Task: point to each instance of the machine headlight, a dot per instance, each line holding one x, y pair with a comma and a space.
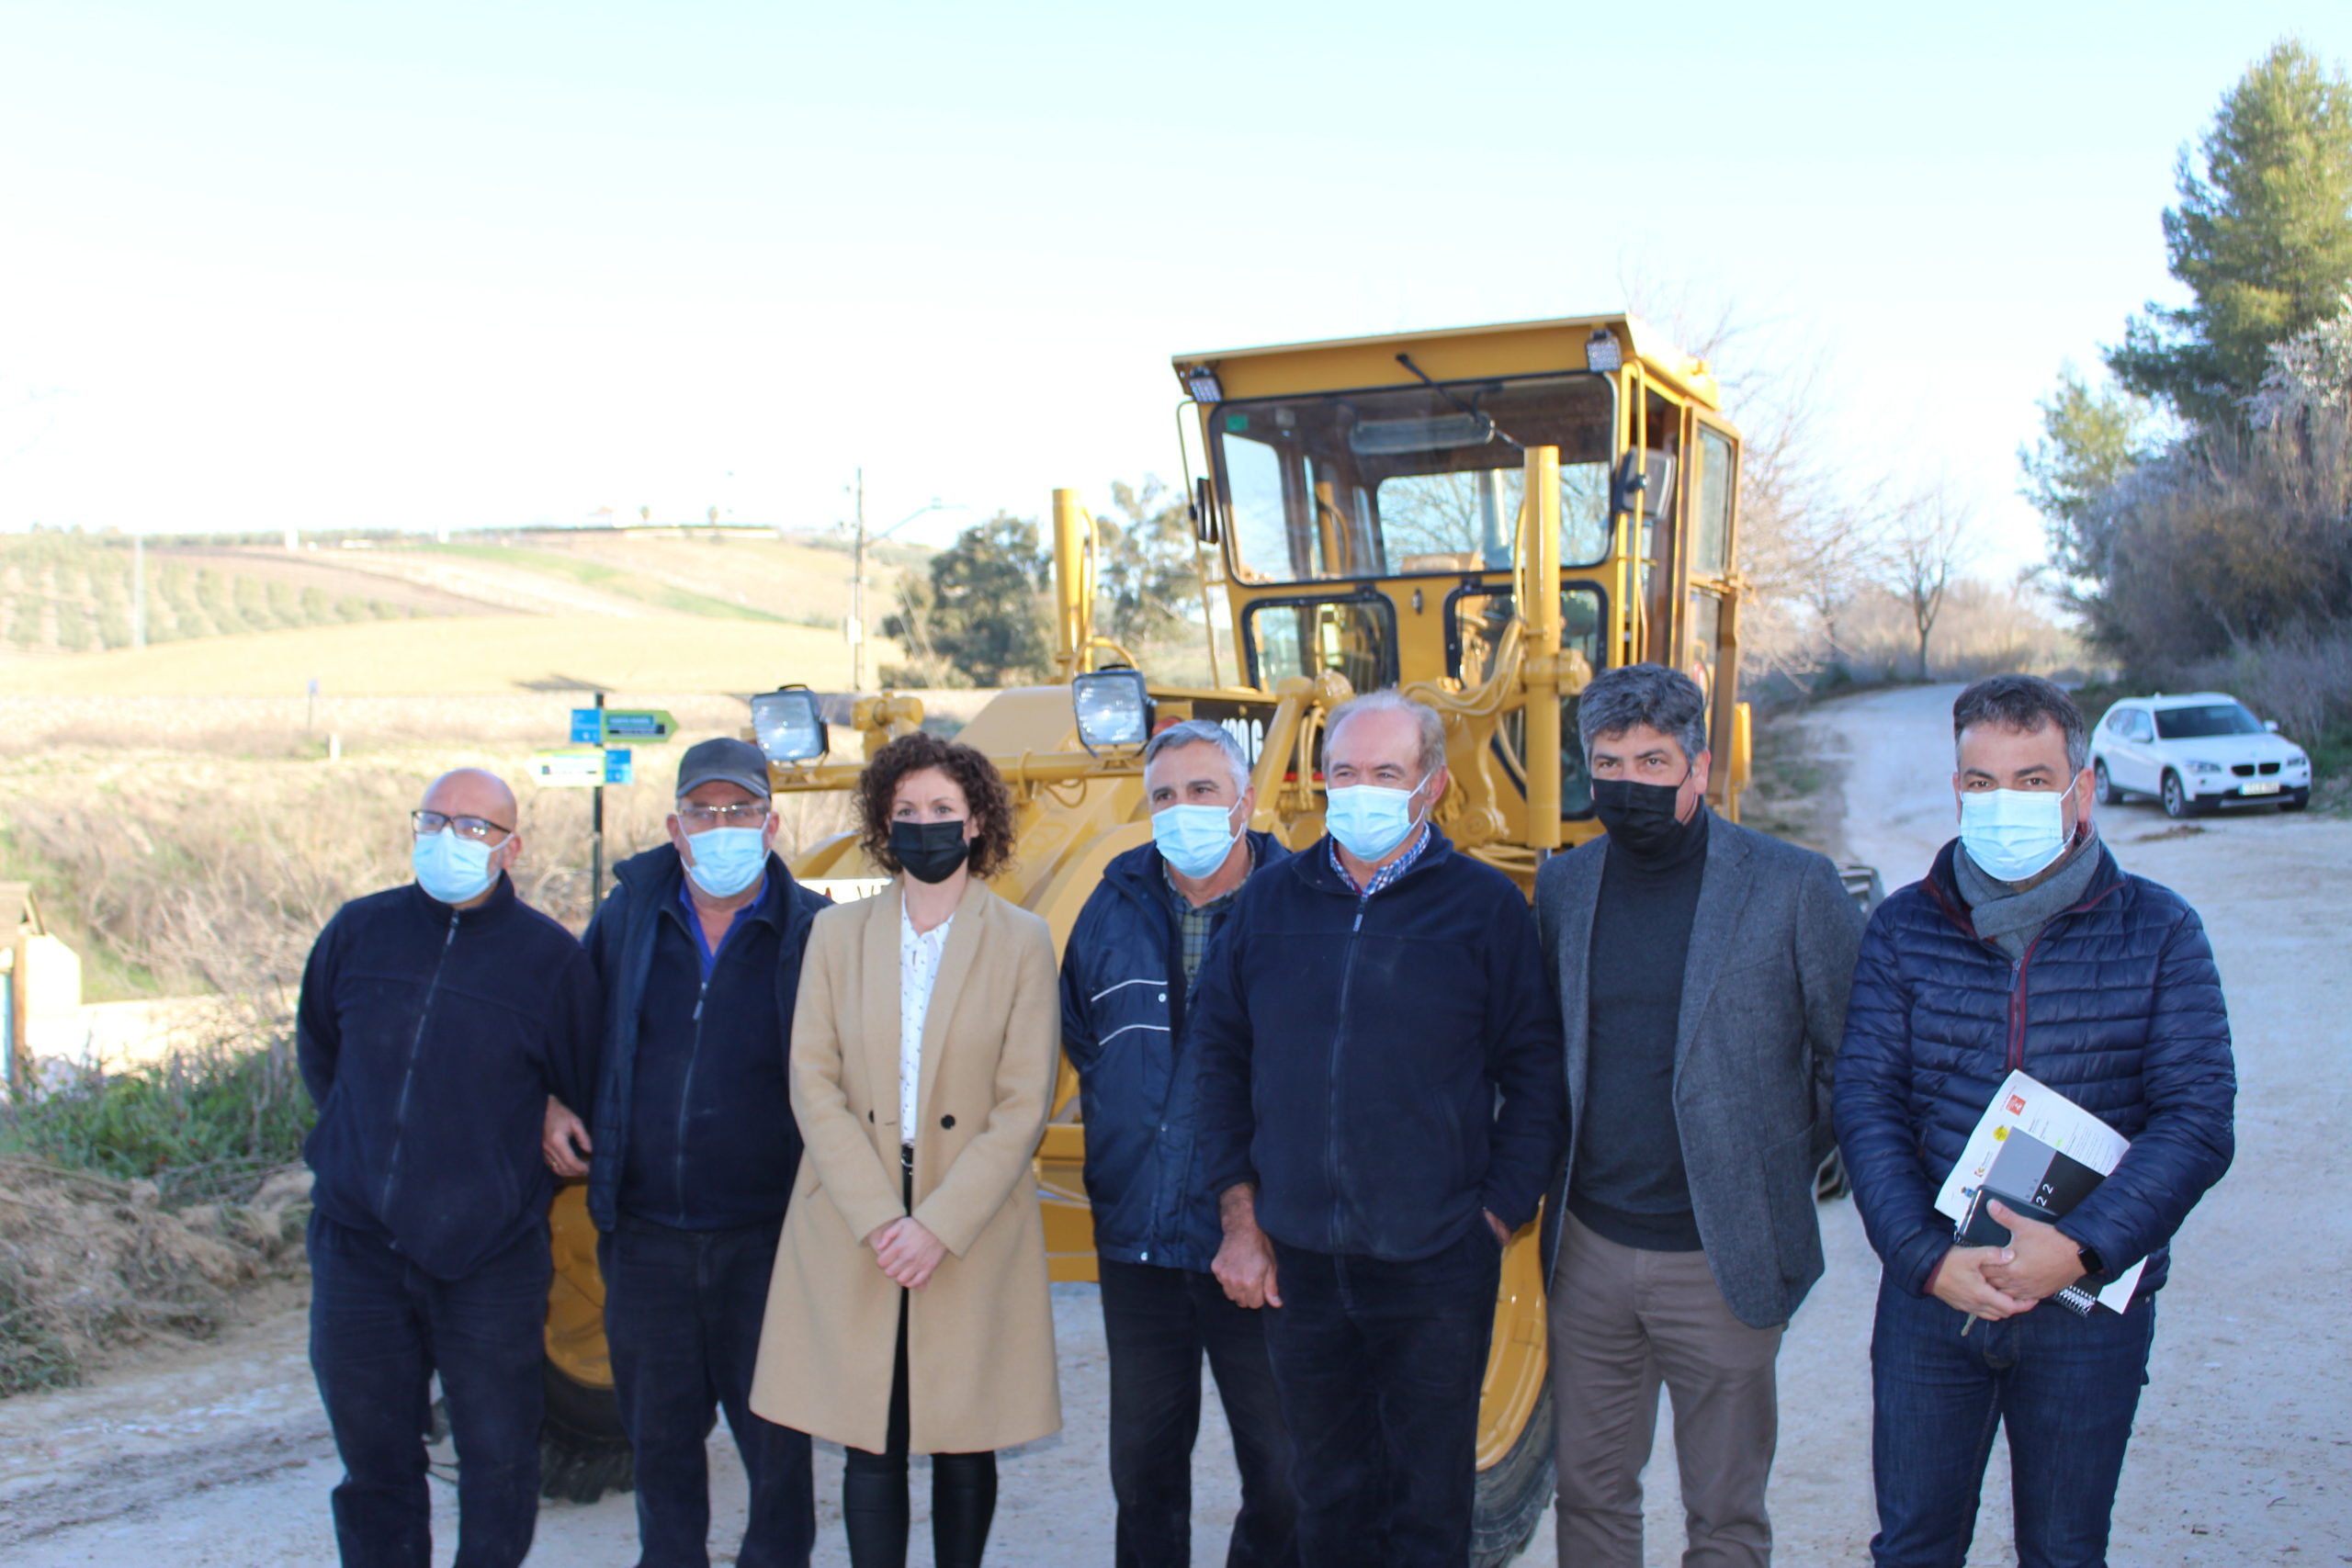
788, 725
1602, 354
2197, 767
1202, 382
1113, 708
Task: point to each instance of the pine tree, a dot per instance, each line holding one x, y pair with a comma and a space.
2262, 238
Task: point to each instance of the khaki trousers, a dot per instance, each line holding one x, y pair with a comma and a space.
1622, 1322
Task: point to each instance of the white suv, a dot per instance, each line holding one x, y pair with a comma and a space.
2194, 754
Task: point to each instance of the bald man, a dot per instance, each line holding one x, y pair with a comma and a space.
436, 1018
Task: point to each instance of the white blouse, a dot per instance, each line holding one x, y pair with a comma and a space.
918, 971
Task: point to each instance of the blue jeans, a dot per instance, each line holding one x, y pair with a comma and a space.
1379, 1366
682, 1311
2065, 1388
380, 1328
1157, 1323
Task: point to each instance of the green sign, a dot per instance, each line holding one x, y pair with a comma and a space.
638, 724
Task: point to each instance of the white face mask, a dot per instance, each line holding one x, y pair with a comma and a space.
1368, 820
2012, 834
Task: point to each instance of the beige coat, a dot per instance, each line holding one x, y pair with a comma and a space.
981, 1334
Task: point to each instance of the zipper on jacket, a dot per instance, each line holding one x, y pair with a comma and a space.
408, 1077
1332, 1172
686, 1094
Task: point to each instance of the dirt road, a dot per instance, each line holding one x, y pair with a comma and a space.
2244, 1450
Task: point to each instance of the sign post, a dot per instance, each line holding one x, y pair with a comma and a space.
601, 753
596, 822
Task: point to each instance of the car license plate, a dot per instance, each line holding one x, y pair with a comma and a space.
2269, 786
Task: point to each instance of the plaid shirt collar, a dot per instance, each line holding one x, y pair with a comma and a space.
1387, 874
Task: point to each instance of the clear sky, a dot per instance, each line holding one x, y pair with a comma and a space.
487, 264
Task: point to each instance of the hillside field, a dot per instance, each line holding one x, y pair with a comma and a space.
459, 656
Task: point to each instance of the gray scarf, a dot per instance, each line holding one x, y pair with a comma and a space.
2009, 918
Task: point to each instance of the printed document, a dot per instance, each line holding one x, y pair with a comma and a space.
2023, 1104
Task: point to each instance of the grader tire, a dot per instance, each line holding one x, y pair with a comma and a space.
583, 1453
1514, 1491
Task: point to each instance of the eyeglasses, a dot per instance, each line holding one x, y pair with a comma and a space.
425, 824
749, 814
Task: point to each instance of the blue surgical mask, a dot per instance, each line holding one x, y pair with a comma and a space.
2012, 834
449, 868
1368, 822
728, 860
1193, 840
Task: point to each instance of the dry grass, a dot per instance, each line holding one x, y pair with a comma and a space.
470, 655
187, 847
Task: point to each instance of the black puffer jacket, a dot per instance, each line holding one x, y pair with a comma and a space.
2116, 1005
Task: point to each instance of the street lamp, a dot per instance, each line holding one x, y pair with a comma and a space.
856, 627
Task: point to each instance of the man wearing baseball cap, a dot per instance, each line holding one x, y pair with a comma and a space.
693, 1152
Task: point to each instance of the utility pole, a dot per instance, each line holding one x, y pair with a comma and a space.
857, 594
137, 589
856, 627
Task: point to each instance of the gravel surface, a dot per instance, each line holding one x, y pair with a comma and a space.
2244, 1449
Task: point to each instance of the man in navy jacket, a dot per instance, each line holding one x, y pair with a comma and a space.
693, 1152
1132, 959
1381, 1106
435, 1020
2027, 948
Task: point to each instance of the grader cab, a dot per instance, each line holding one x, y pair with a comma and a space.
1480, 517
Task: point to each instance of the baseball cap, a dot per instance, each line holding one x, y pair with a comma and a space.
724, 760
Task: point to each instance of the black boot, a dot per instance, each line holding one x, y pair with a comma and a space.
963, 1504
873, 1509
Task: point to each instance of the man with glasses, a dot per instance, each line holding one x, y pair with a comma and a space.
1702, 972
693, 1152
435, 1020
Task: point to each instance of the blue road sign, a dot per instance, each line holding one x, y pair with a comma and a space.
617, 767
587, 727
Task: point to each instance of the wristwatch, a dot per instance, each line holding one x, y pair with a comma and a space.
2092, 1264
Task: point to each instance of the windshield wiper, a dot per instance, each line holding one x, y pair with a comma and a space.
1494, 431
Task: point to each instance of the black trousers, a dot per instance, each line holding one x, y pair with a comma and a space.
1379, 1365
682, 1311
381, 1327
1157, 1324
874, 1511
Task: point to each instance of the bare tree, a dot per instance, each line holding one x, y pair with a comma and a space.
1805, 517
1931, 538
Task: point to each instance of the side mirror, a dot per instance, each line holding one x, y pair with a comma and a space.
2271, 724
1647, 474
1205, 523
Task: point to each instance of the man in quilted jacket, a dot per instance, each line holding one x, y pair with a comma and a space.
2026, 948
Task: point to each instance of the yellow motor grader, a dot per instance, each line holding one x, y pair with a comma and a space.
1480, 517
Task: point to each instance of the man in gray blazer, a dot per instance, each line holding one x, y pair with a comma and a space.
1702, 972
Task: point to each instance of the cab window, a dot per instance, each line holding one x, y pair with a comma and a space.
1356, 637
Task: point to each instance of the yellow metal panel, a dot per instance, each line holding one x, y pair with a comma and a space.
1517, 348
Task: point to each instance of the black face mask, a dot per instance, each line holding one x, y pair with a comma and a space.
1639, 815
930, 850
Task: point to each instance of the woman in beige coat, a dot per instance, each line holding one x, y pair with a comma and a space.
910, 1311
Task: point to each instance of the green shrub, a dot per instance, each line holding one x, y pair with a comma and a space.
205, 1126
73, 628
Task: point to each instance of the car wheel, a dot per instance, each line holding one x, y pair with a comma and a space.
2178, 802
2295, 800
2102, 787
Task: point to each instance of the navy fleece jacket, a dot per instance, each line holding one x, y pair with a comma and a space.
1353, 1051
694, 1124
430, 1038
